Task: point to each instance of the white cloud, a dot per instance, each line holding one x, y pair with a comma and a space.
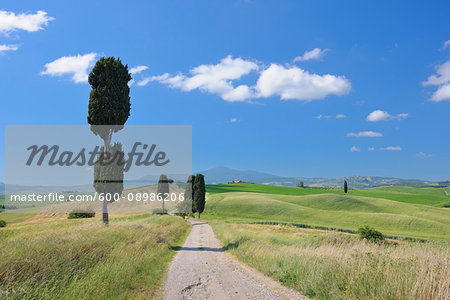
364, 134
446, 44
4, 48
442, 76
146, 80
9, 21
214, 79
138, 69
77, 66
288, 82
233, 120
316, 53
338, 116
442, 80
442, 93
355, 149
379, 115
423, 155
134, 71
295, 83
172, 81
391, 148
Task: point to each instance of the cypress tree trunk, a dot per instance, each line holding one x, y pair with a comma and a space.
163, 189
105, 212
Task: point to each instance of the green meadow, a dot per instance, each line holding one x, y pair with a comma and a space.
395, 210
12, 217
401, 193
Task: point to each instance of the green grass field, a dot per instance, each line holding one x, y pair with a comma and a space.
83, 259
392, 210
12, 218
407, 194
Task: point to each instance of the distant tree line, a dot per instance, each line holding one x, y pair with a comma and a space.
2, 206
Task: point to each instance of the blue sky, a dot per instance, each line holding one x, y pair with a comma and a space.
294, 88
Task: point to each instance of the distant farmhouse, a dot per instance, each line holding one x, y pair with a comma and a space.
238, 181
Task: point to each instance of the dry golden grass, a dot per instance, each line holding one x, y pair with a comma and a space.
328, 265
128, 203
83, 259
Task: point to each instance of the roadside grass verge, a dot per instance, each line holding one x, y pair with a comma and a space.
82, 259
333, 265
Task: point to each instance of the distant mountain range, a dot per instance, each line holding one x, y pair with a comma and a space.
224, 175
219, 175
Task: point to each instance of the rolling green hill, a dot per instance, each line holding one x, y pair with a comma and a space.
269, 189
407, 194
332, 208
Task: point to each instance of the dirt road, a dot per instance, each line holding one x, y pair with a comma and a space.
202, 270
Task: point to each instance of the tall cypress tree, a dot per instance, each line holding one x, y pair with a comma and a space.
345, 187
109, 102
199, 194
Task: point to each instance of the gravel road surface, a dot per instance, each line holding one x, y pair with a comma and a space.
203, 270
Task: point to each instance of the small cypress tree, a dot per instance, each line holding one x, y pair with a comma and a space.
189, 194
199, 194
345, 187
301, 184
163, 189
